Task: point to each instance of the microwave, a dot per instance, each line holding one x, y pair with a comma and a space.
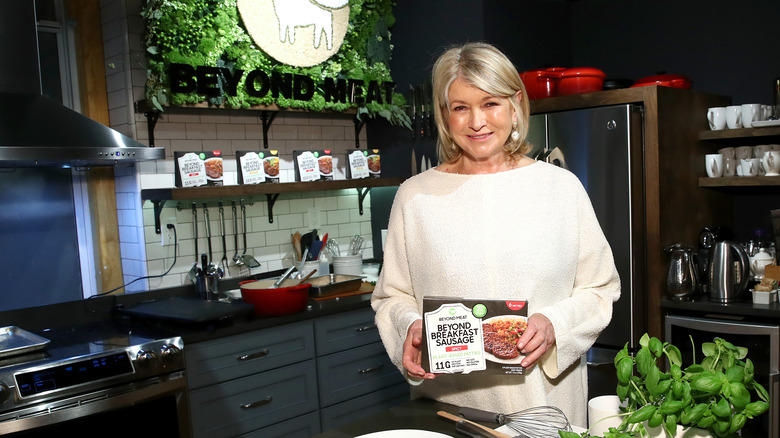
763, 343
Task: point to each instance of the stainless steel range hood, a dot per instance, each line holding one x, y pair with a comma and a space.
38, 131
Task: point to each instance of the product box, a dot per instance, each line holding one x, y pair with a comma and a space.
194, 169
357, 163
314, 165
463, 336
374, 165
257, 167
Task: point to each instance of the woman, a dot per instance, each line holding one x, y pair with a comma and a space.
491, 222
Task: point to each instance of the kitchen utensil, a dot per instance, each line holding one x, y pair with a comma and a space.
333, 284
237, 260
193, 274
303, 260
296, 242
541, 83
306, 241
674, 81
413, 116
537, 421
682, 279
283, 277
333, 248
356, 245
490, 432
728, 276
246, 258
223, 232
15, 341
316, 247
270, 301
580, 80
414, 163
303, 280
423, 114
207, 220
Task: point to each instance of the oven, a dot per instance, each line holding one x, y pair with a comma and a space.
762, 339
96, 381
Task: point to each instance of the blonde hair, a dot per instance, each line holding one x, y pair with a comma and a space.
485, 67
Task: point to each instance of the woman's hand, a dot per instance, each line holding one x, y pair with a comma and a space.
538, 337
412, 355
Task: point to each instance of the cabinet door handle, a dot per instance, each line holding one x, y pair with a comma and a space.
261, 353
257, 403
370, 370
366, 328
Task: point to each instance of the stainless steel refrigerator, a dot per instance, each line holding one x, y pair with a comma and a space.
601, 146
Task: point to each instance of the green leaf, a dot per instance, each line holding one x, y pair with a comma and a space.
652, 377
722, 409
622, 390
756, 408
706, 382
656, 346
708, 348
670, 425
706, 421
735, 374
644, 359
625, 369
644, 341
621, 355
740, 396
737, 423
741, 353
642, 414
673, 354
655, 420
566, 434
661, 388
670, 407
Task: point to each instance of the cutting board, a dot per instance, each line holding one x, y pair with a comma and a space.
189, 310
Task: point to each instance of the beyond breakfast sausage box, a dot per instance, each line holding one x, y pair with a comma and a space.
316, 165
464, 336
257, 167
194, 169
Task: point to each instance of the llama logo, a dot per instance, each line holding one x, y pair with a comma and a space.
292, 31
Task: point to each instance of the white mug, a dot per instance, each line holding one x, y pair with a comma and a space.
750, 113
734, 116
603, 413
729, 165
771, 162
749, 167
743, 152
717, 117
714, 165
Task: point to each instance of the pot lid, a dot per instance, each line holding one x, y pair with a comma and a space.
582, 71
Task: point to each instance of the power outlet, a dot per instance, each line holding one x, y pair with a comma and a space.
315, 216
168, 237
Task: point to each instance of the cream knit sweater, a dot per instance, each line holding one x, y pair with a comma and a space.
528, 233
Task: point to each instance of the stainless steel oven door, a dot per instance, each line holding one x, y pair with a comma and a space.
763, 344
157, 407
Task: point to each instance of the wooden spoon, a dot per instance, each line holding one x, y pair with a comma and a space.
296, 242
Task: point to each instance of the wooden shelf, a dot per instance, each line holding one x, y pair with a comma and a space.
740, 181
739, 134
271, 191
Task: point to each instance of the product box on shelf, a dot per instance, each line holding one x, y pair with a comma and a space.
315, 165
194, 169
356, 163
257, 167
464, 336
374, 165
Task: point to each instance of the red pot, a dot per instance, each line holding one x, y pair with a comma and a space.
274, 302
580, 80
674, 81
541, 83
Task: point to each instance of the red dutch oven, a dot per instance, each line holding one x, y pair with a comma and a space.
274, 302
580, 80
541, 83
674, 81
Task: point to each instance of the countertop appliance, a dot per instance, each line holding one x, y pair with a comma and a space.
597, 145
94, 376
760, 337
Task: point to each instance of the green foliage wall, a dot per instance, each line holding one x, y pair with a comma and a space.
211, 33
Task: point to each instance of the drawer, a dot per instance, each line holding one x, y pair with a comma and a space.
302, 426
250, 403
352, 373
345, 330
241, 355
363, 406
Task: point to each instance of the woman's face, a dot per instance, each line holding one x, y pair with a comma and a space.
479, 123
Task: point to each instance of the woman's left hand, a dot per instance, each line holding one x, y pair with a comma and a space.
538, 337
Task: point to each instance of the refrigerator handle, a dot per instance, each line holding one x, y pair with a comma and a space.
774, 399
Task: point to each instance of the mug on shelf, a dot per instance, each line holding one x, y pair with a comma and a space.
717, 117
714, 165
751, 112
734, 116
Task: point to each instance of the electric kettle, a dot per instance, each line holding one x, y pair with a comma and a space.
729, 272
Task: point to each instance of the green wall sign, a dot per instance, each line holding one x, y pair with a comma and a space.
308, 54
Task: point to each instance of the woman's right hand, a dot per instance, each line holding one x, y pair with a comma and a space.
412, 356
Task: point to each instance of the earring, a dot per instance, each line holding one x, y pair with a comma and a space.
515, 135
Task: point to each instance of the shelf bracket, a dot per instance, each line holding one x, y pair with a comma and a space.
267, 121
158, 206
271, 198
358, 127
361, 197
151, 120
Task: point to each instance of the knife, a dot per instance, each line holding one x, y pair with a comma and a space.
412, 94
414, 163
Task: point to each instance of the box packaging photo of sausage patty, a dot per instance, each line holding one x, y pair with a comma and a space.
195, 169
464, 336
315, 165
255, 167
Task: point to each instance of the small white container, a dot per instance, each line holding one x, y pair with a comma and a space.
308, 267
764, 297
348, 265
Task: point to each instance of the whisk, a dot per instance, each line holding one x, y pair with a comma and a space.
535, 422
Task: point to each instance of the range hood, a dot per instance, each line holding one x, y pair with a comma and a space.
38, 131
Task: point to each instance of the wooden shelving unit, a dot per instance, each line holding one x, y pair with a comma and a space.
271, 191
